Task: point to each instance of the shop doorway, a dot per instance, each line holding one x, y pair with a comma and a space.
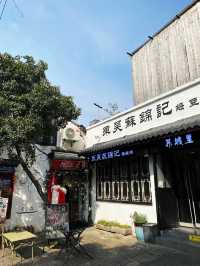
77, 205
183, 171
188, 188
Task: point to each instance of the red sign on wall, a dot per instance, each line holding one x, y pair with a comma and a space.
68, 164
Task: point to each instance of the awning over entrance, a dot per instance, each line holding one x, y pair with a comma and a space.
64, 155
148, 135
66, 161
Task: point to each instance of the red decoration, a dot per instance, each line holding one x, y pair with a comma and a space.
58, 195
52, 181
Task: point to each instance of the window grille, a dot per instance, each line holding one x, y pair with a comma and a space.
124, 180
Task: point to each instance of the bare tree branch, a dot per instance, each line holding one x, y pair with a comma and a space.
35, 145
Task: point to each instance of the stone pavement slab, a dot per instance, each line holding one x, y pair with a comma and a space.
110, 249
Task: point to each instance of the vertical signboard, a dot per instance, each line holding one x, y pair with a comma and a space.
3, 208
57, 220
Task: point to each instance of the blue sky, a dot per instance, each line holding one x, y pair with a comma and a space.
85, 44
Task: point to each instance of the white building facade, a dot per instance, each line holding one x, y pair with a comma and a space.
147, 159
131, 155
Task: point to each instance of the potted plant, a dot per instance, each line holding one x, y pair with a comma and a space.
138, 221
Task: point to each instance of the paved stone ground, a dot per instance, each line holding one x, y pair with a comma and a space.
115, 250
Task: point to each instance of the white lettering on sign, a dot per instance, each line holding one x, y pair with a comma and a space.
110, 155
179, 140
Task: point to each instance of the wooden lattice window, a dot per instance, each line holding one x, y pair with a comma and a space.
124, 180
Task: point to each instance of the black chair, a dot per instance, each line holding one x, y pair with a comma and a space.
73, 241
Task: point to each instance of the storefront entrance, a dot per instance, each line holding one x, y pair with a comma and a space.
182, 173
7, 179
68, 185
187, 187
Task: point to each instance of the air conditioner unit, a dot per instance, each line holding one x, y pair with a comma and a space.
70, 135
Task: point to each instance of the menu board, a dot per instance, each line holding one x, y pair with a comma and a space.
3, 208
57, 220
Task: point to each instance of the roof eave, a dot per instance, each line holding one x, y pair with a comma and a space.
165, 26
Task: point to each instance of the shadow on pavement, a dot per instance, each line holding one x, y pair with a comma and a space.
115, 250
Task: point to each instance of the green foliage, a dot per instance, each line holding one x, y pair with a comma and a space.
139, 218
113, 223
30, 106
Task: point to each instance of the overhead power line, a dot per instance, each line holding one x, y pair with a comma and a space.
3, 9
4, 6
18, 9
104, 109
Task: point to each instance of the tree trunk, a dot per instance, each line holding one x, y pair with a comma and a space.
30, 175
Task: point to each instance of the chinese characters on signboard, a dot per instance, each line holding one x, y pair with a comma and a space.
68, 164
110, 155
176, 141
157, 112
57, 215
57, 220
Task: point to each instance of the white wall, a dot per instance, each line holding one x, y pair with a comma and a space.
120, 212
27, 206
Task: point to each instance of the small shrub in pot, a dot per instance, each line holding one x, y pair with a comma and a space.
139, 220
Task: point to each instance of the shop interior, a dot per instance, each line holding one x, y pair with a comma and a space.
7, 179
71, 188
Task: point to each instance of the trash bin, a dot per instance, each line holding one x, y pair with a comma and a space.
150, 232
